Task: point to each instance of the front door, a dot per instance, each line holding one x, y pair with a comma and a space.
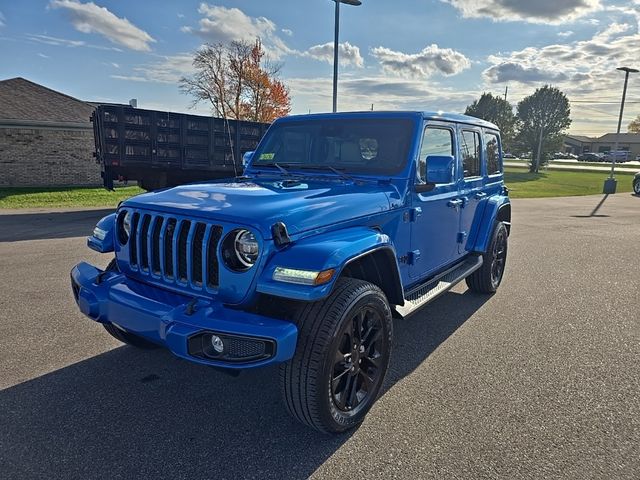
435, 217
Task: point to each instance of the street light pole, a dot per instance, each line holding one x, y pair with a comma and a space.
610, 183
336, 36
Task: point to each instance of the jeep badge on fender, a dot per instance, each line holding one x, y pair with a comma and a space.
339, 223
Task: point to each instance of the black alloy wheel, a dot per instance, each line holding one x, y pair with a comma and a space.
488, 277
359, 353
498, 257
341, 358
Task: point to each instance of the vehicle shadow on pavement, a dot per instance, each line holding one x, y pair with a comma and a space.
46, 225
129, 413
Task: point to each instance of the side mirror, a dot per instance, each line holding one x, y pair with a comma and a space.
246, 159
439, 169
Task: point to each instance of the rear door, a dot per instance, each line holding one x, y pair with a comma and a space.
471, 182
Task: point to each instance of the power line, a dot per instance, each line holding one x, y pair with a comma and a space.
599, 103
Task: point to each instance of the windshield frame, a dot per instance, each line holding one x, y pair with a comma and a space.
412, 119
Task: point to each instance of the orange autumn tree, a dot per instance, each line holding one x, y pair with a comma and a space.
238, 81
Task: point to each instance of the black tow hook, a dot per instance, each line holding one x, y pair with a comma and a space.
190, 309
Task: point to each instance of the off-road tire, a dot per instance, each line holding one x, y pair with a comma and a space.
120, 334
306, 380
485, 280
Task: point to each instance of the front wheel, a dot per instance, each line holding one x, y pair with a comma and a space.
636, 186
344, 345
488, 277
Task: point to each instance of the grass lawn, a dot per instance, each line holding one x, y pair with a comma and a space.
559, 183
64, 197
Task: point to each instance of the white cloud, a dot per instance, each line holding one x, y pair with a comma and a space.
568, 33
358, 93
42, 55
169, 69
287, 32
584, 70
63, 42
536, 11
2, 20
130, 78
347, 54
430, 60
90, 18
221, 24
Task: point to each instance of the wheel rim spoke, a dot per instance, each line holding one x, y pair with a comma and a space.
358, 360
352, 399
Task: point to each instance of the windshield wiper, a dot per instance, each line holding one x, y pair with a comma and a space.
326, 167
277, 165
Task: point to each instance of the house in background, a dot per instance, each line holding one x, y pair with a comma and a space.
580, 144
46, 137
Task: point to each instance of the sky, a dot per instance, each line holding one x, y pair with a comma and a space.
405, 54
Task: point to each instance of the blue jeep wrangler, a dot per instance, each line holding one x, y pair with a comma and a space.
340, 223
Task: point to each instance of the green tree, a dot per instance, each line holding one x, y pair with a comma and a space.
495, 110
634, 126
542, 119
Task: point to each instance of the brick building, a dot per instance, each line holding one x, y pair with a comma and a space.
46, 138
580, 144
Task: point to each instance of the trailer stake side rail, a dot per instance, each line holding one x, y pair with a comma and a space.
163, 149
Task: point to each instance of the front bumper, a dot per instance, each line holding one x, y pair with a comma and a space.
178, 321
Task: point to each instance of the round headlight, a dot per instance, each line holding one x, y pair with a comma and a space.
240, 250
246, 247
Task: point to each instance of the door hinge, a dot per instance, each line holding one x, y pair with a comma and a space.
461, 236
413, 257
412, 214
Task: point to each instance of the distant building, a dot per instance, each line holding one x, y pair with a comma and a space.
580, 144
46, 137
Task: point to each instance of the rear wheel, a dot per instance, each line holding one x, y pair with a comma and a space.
121, 334
344, 345
488, 277
636, 186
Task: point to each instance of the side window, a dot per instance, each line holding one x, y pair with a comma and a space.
492, 153
470, 149
435, 141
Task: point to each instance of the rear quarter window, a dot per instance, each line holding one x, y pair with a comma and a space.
492, 153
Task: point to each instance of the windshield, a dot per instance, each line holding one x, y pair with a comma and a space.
356, 145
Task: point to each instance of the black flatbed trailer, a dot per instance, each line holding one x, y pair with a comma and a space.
164, 149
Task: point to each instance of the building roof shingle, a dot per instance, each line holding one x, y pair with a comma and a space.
21, 99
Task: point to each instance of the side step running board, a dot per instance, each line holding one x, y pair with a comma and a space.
423, 294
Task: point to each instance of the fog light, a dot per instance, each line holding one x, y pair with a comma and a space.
217, 344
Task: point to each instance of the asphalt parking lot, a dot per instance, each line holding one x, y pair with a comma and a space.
541, 380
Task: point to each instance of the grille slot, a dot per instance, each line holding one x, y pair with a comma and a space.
196, 253
168, 248
133, 241
144, 244
174, 249
212, 256
183, 235
155, 246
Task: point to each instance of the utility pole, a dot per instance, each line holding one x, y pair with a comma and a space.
506, 90
539, 152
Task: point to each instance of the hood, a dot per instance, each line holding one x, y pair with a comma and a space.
302, 204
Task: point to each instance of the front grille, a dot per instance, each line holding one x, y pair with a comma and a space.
173, 250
